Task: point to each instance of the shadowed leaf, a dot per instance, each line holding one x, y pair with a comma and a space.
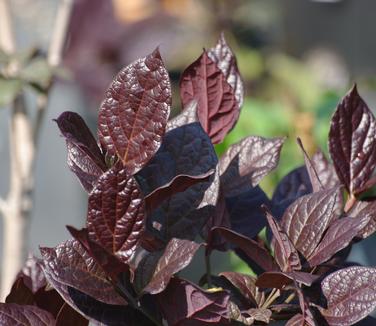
218, 109
85, 158
339, 235
245, 163
362, 209
133, 117
280, 279
352, 142
116, 213
350, 294
197, 307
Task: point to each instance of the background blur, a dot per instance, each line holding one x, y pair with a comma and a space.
297, 58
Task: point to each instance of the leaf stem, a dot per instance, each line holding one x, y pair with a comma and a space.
208, 270
290, 297
350, 203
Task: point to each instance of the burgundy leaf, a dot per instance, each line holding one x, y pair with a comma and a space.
284, 251
350, 294
20, 293
85, 158
218, 109
185, 150
246, 285
116, 213
245, 163
197, 307
260, 314
361, 209
300, 320
70, 264
14, 314
251, 248
339, 235
176, 256
187, 116
325, 170
307, 218
280, 279
225, 59
352, 142
245, 213
178, 184
133, 117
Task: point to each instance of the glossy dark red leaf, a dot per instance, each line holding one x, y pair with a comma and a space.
225, 59
178, 184
176, 256
363, 209
197, 307
245, 163
116, 213
284, 251
246, 284
14, 314
85, 158
218, 109
338, 236
325, 170
306, 220
280, 279
70, 264
251, 248
352, 142
350, 294
133, 117
185, 150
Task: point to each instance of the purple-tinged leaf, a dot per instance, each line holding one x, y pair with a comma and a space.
245, 213
280, 279
251, 248
197, 307
350, 294
300, 320
218, 109
361, 209
339, 235
352, 142
311, 169
176, 256
116, 213
245, 163
105, 314
284, 251
246, 285
187, 116
70, 264
225, 59
325, 170
178, 184
133, 117
186, 150
14, 314
69, 316
20, 293
260, 314
306, 220
85, 158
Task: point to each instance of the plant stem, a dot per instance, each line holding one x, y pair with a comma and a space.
290, 297
208, 270
350, 203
